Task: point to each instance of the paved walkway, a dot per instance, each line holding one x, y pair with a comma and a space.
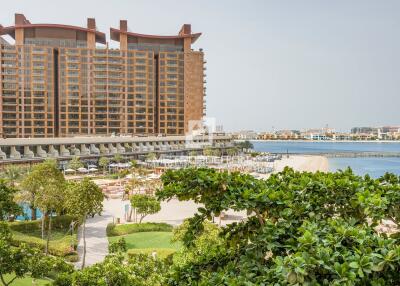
172, 212
96, 239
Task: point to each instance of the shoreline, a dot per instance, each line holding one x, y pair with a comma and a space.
303, 163
322, 141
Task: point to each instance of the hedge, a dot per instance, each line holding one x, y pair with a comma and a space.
57, 223
59, 247
24, 232
122, 229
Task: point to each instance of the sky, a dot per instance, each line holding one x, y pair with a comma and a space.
275, 64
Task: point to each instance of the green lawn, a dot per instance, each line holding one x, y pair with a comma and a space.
153, 239
26, 281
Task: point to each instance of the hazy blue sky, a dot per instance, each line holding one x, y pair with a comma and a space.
288, 64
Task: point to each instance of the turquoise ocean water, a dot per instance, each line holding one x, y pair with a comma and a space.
372, 166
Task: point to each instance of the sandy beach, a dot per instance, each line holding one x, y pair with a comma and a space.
309, 163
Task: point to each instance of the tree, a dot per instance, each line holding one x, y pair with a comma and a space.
151, 156
8, 207
118, 158
47, 183
84, 198
103, 163
301, 228
208, 151
13, 174
22, 260
75, 163
232, 151
244, 145
145, 205
216, 152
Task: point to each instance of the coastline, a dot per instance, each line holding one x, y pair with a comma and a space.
322, 141
303, 163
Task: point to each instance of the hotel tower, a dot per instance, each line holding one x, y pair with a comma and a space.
62, 81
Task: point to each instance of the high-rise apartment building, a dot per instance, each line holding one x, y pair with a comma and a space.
60, 80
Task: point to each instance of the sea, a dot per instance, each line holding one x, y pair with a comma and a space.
374, 166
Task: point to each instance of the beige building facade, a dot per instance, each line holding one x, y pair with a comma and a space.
60, 80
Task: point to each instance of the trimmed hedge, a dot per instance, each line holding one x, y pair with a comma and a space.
27, 232
162, 253
59, 247
57, 223
122, 229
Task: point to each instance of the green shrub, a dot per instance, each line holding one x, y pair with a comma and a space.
118, 246
57, 223
162, 253
59, 247
117, 230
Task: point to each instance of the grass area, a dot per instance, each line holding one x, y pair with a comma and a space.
27, 281
153, 239
60, 243
122, 229
147, 242
29, 232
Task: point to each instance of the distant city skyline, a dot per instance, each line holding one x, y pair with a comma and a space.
287, 64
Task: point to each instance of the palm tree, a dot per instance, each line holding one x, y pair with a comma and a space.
12, 174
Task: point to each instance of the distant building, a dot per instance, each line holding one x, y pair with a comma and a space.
245, 135
61, 80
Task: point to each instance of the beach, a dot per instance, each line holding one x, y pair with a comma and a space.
309, 163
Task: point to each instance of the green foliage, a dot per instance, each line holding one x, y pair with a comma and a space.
151, 156
138, 270
208, 151
28, 233
61, 223
75, 163
123, 229
244, 145
145, 205
22, 260
232, 151
84, 198
117, 246
47, 185
161, 253
302, 229
103, 162
8, 207
118, 158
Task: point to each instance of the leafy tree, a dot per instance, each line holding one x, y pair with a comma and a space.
22, 260
8, 207
103, 163
84, 198
75, 163
13, 173
301, 229
145, 205
118, 158
47, 184
216, 152
244, 145
208, 151
232, 151
151, 156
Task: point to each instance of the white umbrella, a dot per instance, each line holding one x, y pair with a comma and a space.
69, 171
93, 170
82, 170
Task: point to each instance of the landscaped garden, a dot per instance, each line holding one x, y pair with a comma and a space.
144, 238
